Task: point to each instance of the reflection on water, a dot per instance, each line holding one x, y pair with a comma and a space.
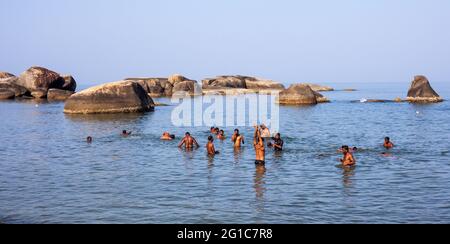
260, 186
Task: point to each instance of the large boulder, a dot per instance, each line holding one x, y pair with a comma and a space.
4, 75
39, 93
58, 95
321, 98
319, 88
6, 94
11, 84
69, 83
422, 92
182, 86
187, 87
297, 94
38, 78
156, 87
115, 97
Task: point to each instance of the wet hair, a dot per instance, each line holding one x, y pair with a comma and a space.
217, 129
124, 132
346, 148
89, 139
223, 132
278, 134
172, 136
236, 130
210, 138
188, 134
387, 139
355, 149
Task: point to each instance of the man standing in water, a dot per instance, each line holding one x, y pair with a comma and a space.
277, 143
237, 139
258, 143
387, 143
348, 160
210, 147
188, 141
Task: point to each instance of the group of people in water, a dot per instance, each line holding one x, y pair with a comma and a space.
262, 133
260, 136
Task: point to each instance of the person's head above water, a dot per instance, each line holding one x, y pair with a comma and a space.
355, 149
172, 136
89, 139
222, 132
212, 129
188, 134
387, 139
210, 138
345, 149
278, 136
236, 131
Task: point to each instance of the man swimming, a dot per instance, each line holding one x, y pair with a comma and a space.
166, 136
210, 147
348, 160
265, 132
277, 144
188, 141
221, 135
387, 143
126, 133
237, 139
258, 143
89, 139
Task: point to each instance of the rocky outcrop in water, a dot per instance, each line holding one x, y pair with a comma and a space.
69, 83
297, 94
166, 87
319, 88
6, 94
422, 92
11, 85
240, 82
38, 80
115, 97
58, 95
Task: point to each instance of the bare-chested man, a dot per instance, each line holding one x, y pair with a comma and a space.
210, 147
387, 143
237, 139
258, 143
188, 141
348, 160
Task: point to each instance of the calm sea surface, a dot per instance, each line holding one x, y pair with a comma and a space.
49, 174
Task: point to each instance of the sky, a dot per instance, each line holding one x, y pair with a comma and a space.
289, 41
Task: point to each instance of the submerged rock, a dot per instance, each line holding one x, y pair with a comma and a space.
297, 94
58, 95
115, 97
422, 92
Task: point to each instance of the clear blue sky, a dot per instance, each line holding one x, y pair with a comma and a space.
289, 41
